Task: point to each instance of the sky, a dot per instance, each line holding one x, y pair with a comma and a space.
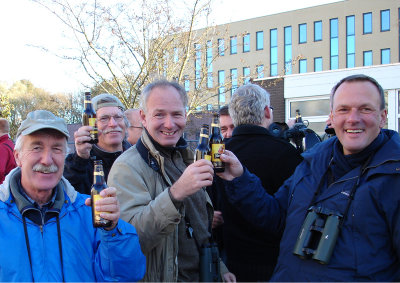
24, 24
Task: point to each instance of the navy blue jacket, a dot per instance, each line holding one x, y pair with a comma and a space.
368, 245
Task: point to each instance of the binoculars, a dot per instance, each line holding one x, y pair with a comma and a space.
318, 235
209, 263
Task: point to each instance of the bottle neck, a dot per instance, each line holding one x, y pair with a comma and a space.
88, 101
98, 175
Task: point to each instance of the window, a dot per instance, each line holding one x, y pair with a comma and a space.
221, 87
317, 64
186, 83
385, 20
233, 45
259, 40
385, 56
288, 50
367, 23
302, 33
197, 65
350, 42
246, 43
260, 71
234, 81
221, 47
246, 75
302, 66
367, 58
334, 44
318, 31
274, 52
209, 64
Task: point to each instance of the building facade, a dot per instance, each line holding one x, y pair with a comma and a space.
337, 36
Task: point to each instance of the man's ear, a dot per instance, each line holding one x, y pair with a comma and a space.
142, 118
17, 159
267, 112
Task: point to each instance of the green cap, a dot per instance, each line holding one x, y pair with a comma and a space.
105, 99
42, 119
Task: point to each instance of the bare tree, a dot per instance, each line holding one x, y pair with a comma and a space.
124, 45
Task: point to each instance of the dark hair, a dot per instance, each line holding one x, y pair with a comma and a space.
360, 78
224, 110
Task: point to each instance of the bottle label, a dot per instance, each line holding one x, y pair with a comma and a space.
92, 122
214, 125
98, 173
207, 157
216, 151
97, 213
204, 135
87, 101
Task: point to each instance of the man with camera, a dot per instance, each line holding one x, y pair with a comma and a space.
339, 210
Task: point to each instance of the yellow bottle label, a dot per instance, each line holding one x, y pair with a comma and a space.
87, 101
92, 122
98, 173
204, 135
207, 157
214, 125
216, 151
97, 213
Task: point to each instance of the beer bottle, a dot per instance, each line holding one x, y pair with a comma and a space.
89, 118
203, 149
298, 117
99, 184
217, 145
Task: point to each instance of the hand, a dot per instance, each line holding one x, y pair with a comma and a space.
196, 176
108, 205
233, 167
82, 147
217, 219
229, 277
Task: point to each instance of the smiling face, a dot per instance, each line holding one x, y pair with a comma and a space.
41, 159
165, 117
356, 115
112, 127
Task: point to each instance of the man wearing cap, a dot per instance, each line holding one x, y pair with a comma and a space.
46, 226
112, 124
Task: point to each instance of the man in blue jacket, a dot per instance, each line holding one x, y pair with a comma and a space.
46, 227
340, 209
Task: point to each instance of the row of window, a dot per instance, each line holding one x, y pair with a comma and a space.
318, 66
367, 29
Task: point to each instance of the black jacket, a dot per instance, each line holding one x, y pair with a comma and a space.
79, 171
273, 160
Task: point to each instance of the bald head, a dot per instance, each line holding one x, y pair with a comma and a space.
4, 127
135, 128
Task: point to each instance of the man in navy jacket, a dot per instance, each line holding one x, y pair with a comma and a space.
344, 196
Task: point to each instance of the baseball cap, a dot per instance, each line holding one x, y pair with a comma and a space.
106, 99
42, 119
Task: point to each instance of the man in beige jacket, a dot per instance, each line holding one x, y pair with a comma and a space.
160, 188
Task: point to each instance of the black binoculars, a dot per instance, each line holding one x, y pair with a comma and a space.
209, 263
318, 235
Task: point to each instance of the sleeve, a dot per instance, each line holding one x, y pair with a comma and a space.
3, 162
78, 172
255, 205
119, 257
144, 202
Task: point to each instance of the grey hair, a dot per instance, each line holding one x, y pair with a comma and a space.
247, 105
162, 84
19, 143
360, 78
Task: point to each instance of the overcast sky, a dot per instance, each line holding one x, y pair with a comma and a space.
24, 23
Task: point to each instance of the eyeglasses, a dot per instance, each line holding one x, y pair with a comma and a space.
106, 118
270, 107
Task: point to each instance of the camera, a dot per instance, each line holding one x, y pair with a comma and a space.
318, 235
209, 263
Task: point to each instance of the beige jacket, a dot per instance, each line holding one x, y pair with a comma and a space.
145, 203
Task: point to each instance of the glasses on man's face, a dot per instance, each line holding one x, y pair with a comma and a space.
106, 118
270, 107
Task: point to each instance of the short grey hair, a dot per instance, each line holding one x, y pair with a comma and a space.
247, 105
19, 143
162, 84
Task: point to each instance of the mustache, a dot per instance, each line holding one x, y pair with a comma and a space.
106, 131
45, 169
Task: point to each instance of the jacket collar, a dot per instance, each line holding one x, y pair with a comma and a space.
247, 129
